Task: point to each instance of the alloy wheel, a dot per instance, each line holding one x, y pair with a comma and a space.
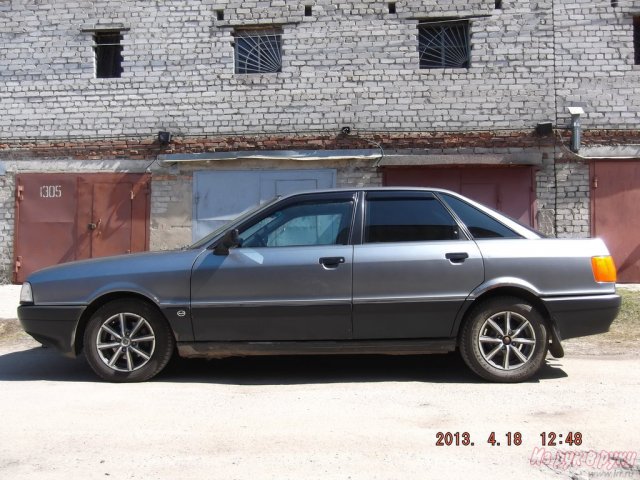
125, 342
507, 340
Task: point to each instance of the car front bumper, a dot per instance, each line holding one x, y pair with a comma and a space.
583, 315
53, 326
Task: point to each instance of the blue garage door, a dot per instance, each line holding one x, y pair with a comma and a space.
220, 196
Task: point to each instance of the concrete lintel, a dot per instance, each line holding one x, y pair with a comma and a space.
75, 166
528, 158
612, 152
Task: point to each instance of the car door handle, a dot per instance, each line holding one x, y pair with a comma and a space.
331, 262
457, 257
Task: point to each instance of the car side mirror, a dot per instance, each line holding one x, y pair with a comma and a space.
230, 239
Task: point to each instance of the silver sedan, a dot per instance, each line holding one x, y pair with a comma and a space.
379, 271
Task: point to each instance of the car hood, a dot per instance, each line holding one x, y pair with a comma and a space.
156, 275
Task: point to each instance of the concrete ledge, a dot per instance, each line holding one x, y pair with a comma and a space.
611, 152
392, 160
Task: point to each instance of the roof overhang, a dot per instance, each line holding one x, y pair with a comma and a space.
296, 155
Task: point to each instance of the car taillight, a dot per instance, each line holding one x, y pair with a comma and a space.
604, 270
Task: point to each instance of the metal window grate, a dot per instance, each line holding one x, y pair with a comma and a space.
444, 44
108, 53
258, 51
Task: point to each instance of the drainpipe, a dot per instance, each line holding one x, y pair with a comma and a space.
575, 128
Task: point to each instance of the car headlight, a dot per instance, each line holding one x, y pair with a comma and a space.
26, 294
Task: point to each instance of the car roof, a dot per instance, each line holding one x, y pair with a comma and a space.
370, 189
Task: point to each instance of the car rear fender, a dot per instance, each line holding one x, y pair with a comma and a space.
511, 287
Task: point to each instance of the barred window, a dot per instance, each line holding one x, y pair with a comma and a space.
444, 44
108, 51
258, 51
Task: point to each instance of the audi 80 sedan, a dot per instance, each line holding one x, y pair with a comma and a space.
376, 271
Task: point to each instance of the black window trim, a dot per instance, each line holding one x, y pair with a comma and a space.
463, 232
468, 232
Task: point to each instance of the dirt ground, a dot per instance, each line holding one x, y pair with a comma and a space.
358, 417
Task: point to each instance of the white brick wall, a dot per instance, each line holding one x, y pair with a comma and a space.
572, 204
7, 204
595, 63
350, 63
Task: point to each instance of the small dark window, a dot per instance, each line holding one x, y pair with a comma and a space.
108, 50
480, 224
392, 7
308, 10
444, 44
636, 39
498, 4
408, 220
614, 3
220, 15
258, 51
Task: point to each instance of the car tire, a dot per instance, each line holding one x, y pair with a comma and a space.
504, 339
128, 340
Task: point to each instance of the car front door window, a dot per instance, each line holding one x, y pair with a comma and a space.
308, 224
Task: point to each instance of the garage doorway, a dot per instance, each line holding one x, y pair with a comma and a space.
64, 217
220, 196
615, 217
507, 189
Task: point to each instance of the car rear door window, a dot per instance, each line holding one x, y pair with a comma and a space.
407, 219
480, 224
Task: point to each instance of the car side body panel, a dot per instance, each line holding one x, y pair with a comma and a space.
552, 267
163, 278
412, 290
278, 293
559, 273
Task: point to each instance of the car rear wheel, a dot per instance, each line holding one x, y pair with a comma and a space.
128, 341
504, 340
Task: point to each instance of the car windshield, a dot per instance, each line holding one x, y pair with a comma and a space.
206, 239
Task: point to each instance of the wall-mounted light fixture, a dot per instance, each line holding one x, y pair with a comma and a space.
345, 130
164, 138
575, 128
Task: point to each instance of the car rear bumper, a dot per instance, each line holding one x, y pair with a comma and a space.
53, 326
581, 316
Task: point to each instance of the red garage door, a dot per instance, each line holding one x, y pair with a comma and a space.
615, 197
508, 189
63, 217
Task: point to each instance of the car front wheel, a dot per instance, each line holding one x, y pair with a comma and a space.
504, 340
128, 341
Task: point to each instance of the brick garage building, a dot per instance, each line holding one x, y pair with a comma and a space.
446, 94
